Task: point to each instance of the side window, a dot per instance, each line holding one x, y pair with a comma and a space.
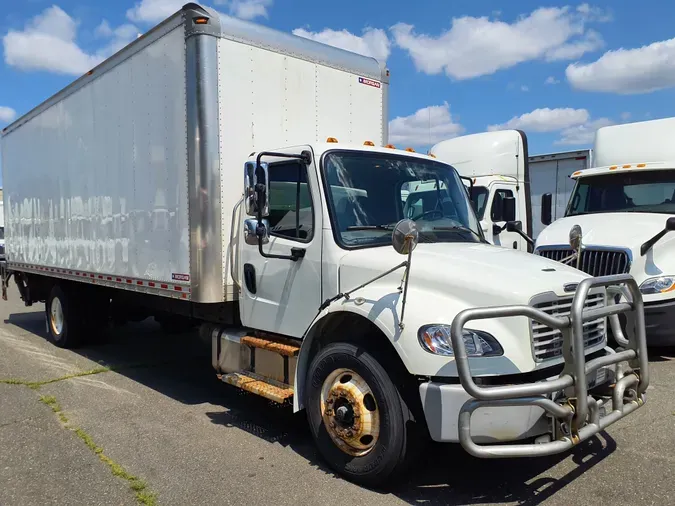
291, 212
503, 193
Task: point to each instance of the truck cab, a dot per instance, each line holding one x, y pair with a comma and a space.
494, 166
624, 207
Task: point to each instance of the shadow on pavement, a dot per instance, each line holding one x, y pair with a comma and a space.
179, 366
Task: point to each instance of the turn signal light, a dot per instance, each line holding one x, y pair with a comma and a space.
201, 21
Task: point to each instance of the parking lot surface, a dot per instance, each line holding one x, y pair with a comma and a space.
140, 417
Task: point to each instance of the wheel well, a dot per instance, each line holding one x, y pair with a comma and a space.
345, 326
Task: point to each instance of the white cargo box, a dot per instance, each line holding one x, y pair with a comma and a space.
130, 176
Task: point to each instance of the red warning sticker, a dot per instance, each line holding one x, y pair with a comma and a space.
369, 82
180, 277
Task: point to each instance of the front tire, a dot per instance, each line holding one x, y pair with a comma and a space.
63, 325
358, 418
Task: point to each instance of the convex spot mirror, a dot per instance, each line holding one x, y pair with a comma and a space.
575, 237
256, 189
405, 237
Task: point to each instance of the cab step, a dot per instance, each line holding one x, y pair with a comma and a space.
250, 382
282, 348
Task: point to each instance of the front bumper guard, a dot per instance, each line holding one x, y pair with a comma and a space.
580, 412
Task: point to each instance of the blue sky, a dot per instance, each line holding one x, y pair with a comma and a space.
554, 69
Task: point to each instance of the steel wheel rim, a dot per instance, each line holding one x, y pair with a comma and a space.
56, 316
350, 413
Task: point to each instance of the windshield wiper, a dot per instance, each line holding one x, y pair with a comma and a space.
460, 228
389, 226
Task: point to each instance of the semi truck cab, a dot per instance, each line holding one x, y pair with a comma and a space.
625, 210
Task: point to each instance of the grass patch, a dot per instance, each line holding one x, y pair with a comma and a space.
34, 385
139, 487
12, 381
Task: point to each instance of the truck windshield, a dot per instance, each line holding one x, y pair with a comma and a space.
369, 193
639, 192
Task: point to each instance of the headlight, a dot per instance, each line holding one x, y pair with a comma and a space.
436, 339
658, 285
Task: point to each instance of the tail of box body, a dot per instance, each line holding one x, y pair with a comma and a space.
132, 176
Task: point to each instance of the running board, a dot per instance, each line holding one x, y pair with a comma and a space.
246, 381
285, 350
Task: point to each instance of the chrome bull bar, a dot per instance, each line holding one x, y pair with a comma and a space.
580, 412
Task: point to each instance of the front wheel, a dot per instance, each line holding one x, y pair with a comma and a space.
359, 421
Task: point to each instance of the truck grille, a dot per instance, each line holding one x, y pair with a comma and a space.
595, 262
547, 343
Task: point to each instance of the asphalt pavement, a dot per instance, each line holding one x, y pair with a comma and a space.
139, 417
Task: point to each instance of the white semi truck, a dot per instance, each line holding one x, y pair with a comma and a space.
498, 166
625, 208
158, 185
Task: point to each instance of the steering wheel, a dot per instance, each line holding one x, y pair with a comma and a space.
426, 213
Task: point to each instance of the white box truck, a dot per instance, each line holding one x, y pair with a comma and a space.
625, 208
222, 173
497, 166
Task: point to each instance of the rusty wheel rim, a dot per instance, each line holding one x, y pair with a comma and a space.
350, 413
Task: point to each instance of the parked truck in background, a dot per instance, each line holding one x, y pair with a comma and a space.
500, 167
158, 185
625, 208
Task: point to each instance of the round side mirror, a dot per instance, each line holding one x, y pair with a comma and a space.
405, 237
575, 237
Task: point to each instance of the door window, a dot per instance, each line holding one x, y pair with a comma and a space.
493, 209
291, 212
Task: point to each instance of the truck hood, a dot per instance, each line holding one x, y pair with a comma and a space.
478, 274
601, 230
626, 231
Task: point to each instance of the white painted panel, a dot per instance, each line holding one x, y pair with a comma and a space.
542, 180
270, 100
98, 182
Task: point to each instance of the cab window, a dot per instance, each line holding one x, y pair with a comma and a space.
291, 211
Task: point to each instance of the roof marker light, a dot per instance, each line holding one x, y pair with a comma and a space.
369, 143
201, 21
576, 173
613, 167
627, 166
390, 146
640, 165
331, 139
410, 150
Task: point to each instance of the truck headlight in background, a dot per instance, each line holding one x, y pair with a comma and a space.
436, 339
661, 284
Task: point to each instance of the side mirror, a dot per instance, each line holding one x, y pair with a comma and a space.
256, 189
253, 230
546, 208
508, 209
670, 224
514, 226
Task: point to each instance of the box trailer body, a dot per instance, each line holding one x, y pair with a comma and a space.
624, 206
186, 178
139, 162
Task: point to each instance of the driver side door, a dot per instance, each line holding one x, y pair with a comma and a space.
505, 239
280, 295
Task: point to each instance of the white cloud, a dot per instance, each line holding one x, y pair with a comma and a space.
625, 116
524, 88
154, 11
48, 43
545, 120
584, 134
627, 71
248, 9
7, 114
551, 80
374, 42
475, 46
425, 127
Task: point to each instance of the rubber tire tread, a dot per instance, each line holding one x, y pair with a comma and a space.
392, 453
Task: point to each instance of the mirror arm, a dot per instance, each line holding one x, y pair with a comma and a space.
306, 158
651, 242
527, 238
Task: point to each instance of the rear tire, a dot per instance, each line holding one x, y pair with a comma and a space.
64, 327
369, 443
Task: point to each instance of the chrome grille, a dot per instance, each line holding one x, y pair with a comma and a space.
596, 262
547, 342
